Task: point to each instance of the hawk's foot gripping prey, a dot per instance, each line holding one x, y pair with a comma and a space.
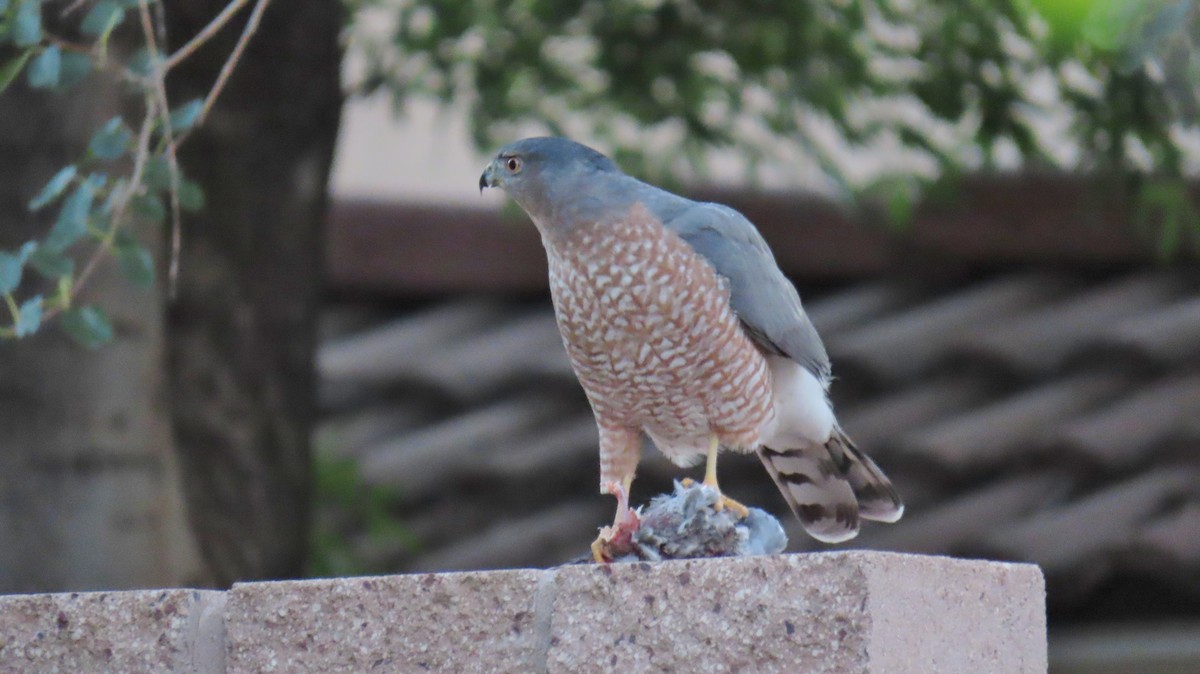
681, 327
625, 524
710, 480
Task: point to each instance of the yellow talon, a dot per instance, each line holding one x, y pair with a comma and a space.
598, 545
618, 538
725, 502
710, 480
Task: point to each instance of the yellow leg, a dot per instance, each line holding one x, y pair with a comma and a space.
710, 466
710, 480
623, 503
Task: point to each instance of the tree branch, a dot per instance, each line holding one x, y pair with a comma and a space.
205, 33
164, 115
234, 57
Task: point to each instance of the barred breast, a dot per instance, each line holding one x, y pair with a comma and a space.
648, 329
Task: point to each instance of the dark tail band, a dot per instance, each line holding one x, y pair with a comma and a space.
830, 487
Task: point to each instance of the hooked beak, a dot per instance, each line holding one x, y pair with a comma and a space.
488, 179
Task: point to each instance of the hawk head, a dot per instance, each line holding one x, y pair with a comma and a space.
542, 172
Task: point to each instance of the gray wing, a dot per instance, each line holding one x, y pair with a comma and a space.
762, 297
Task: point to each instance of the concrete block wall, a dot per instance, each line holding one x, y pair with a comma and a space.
839, 612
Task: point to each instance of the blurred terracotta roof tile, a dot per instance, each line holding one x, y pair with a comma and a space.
389, 351
1175, 536
524, 347
879, 424
552, 535
856, 306
1167, 336
1013, 428
953, 525
1103, 521
906, 344
1129, 429
349, 433
421, 461
1038, 343
547, 449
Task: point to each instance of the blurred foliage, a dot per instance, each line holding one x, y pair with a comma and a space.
123, 178
953, 85
1109, 87
351, 516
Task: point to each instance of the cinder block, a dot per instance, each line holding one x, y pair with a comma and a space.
844, 612
832, 612
151, 631
452, 622
936, 614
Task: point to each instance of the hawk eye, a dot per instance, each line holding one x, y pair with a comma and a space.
513, 164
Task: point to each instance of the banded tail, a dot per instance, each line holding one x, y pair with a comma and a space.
830, 487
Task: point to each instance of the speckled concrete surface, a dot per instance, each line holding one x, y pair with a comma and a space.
753, 614
844, 612
454, 622
935, 614
128, 632
832, 612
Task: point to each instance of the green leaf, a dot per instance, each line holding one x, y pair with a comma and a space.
87, 325
51, 264
157, 174
115, 193
75, 67
111, 141
191, 196
54, 188
27, 250
10, 70
149, 207
10, 272
135, 261
184, 116
897, 194
3, 6
72, 218
45, 69
142, 63
27, 24
105, 15
11, 265
29, 318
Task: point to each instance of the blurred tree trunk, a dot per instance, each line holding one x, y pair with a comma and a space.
90, 495
90, 470
241, 332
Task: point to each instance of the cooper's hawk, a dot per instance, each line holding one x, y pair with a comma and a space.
680, 326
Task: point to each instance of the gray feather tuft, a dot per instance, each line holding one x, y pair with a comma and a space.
685, 525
